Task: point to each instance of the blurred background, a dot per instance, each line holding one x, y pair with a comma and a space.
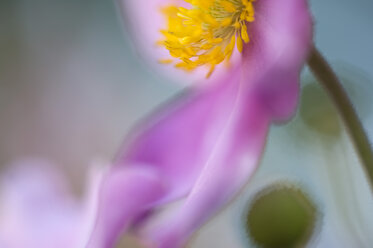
72, 86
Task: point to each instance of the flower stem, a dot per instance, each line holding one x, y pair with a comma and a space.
328, 79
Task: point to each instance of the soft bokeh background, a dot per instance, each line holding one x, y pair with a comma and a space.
71, 86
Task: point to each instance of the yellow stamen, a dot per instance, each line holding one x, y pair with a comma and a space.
165, 61
206, 34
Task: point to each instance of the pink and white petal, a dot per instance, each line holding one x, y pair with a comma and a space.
163, 158
166, 155
281, 39
228, 166
125, 195
177, 140
201, 139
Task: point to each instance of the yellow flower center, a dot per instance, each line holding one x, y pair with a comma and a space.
207, 33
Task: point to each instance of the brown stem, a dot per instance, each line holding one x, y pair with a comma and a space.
328, 79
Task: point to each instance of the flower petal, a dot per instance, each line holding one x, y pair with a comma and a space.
281, 38
124, 196
229, 166
205, 145
38, 210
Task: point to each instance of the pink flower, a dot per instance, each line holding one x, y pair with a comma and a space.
38, 209
205, 145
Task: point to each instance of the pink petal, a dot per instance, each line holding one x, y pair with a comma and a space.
125, 195
178, 139
281, 38
38, 210
215, 127
228, 167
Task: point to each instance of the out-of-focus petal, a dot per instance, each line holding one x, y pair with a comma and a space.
144, 20
221, 127
39, 210
124, 196
281, 38
179, 138
229, 166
